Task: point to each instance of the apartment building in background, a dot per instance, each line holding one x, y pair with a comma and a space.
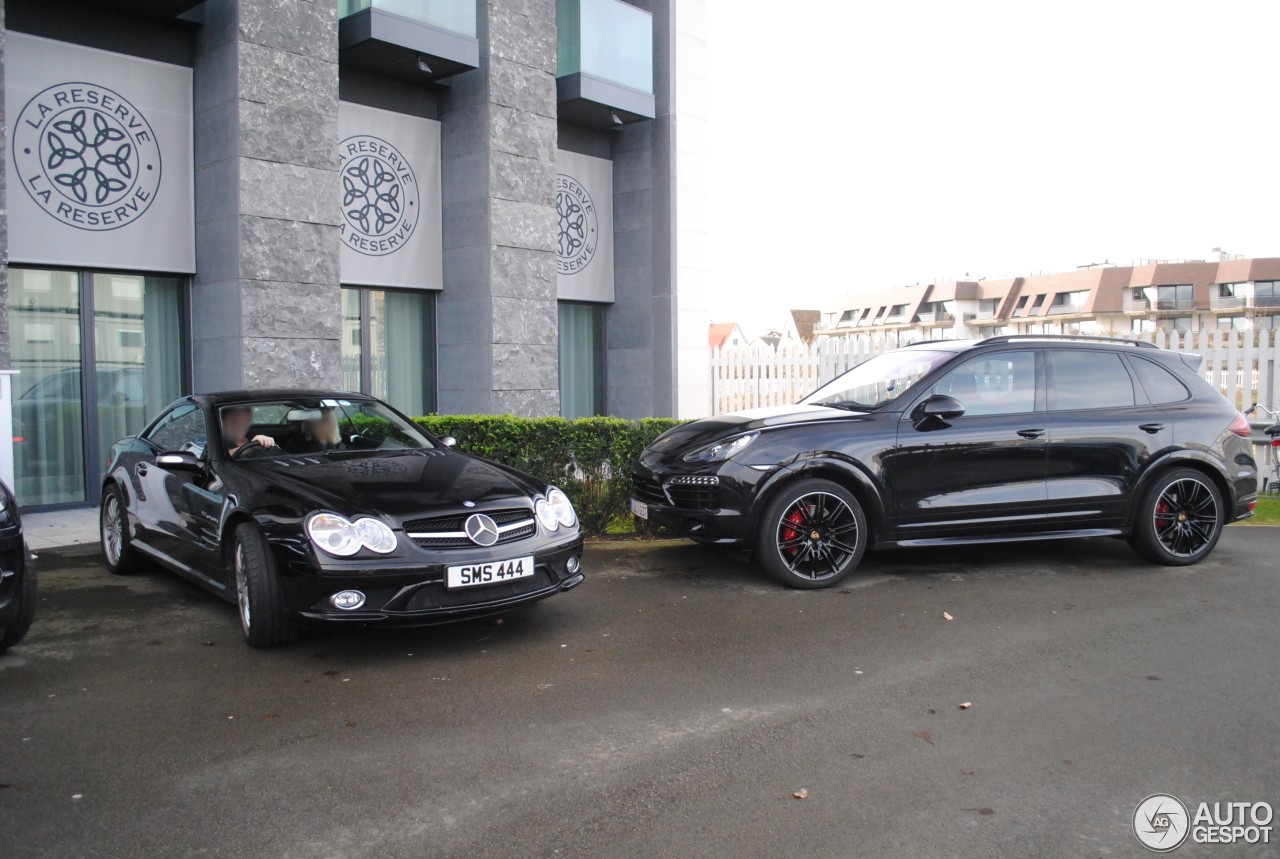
1229, 294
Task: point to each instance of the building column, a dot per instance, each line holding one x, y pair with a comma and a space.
266, 306
497, 316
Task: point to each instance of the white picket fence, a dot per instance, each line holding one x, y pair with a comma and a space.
1244, 365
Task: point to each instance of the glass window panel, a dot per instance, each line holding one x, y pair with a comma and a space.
608, 39
1089, 380
137, 326
1161, 385
1000, 384
351, 346
402, 349
456, 16
581, 359
48, 419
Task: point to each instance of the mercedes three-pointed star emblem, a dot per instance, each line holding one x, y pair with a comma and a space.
481, 530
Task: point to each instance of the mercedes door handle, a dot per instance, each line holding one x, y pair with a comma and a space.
142, 469
1151, 428
1031, 433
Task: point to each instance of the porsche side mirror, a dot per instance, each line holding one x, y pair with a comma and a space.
179, 461
936, 411
449, 441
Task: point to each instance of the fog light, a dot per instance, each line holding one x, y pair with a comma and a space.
347, 600
572, 564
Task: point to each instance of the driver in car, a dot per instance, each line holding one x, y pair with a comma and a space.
236, 421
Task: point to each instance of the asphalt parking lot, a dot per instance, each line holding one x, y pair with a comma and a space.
672, 706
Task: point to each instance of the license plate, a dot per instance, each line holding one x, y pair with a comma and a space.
491, 573
640, 508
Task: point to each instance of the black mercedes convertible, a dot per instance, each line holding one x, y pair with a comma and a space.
313, 507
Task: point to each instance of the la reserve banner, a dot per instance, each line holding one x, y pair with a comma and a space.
584, 210
389, 177
99, 159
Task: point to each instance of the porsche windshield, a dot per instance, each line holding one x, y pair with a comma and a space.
879, 381
317, 426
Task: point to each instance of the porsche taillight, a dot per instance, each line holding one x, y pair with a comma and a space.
1240, 426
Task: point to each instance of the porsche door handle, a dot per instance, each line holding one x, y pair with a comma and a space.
1031, 433
1151, 428
142, 469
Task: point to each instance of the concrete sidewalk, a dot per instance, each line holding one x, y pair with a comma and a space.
60, 528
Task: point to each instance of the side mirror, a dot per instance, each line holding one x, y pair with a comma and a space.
937, 410
179, 461
449, 441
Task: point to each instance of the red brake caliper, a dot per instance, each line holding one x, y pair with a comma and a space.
789, 534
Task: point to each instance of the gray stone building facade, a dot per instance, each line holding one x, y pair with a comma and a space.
466, 206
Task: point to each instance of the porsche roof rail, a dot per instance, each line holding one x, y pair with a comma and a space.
1087, 338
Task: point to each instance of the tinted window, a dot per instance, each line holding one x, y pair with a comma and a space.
1089, 380
1161, 385
181, 429
999, 384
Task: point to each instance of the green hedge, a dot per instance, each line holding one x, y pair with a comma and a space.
589, 458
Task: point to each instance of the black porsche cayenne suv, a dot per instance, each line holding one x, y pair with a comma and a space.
952, 442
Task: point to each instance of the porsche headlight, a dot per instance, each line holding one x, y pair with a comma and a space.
721, 450
339, 536
562, 507
546, 515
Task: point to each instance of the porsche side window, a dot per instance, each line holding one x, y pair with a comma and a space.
1089, 380
182, 429
999, 384
1161, 385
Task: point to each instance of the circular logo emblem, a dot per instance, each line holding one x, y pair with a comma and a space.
579, 228
87, 156
379, 195
1161, 822
481, 530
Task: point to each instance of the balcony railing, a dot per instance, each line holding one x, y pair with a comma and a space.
1226, 302
1057, 309
1136, 305
456, 16
1175, 304
607, 39
413, 40
604, 62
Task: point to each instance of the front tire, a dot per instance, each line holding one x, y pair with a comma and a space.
259, 596
1179, 520
113, 533
25, 594
813, 534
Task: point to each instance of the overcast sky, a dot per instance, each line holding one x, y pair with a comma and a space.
862, 145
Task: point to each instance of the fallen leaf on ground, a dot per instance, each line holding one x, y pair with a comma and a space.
926, 736
966, 705
801, 794
966, 772
932, 711
270, 716
351, 724
946, 615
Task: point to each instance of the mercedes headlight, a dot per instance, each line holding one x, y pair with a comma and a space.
546, 515
562, 507
721, 450
338, 535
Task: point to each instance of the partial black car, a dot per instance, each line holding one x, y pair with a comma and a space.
955, 442
17, 574
378, 523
